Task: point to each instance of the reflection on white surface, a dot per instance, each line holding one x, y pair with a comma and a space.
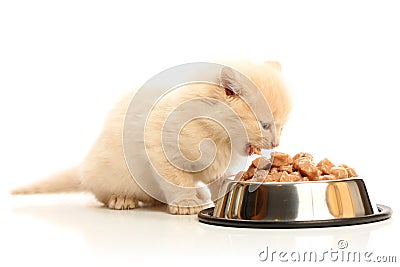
71, 229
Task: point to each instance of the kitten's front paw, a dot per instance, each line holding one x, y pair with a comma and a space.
186, 207
122, 202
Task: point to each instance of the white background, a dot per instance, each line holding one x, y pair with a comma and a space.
63, 64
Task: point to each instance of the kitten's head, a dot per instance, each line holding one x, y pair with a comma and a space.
260, 98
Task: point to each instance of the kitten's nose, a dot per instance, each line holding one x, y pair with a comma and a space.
275, 143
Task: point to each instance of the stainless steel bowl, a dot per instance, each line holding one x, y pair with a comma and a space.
294, 204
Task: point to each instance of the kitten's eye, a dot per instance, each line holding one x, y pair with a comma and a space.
265, 125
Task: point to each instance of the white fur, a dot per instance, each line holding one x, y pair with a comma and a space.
105, 173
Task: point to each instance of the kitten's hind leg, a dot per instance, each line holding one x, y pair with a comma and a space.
118, 202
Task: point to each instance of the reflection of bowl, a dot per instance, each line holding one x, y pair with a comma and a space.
294, 204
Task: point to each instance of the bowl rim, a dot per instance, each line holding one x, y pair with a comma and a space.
296, 182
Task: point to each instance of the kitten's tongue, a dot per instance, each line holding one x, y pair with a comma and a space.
250, 150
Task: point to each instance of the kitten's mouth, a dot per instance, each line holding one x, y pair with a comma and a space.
250, 150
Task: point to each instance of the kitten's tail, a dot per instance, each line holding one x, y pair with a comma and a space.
64, 181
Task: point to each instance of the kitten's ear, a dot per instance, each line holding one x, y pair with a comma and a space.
274, 64
231, 82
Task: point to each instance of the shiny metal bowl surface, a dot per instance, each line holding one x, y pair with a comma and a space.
338, 201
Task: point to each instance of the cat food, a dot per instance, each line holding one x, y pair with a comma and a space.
281, 159
299, 168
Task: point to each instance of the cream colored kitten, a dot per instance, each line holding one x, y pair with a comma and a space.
104, 171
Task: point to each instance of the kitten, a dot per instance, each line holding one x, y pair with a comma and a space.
104, 171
